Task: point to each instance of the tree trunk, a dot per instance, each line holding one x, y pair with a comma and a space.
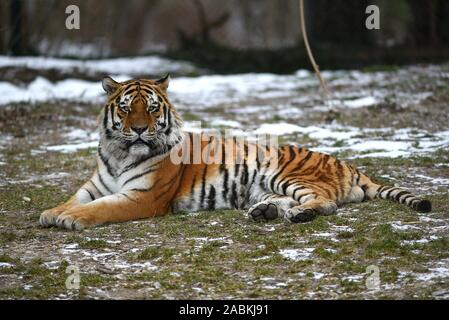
431, 14
16, 38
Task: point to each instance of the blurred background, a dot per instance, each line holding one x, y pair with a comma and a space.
230, 36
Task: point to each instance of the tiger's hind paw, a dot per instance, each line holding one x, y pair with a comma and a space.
300, 215
263, 211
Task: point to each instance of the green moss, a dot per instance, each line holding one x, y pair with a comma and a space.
345, 235
7, 259
42, 198
94, 280
156, 252
339, 143
93, 244
322, 253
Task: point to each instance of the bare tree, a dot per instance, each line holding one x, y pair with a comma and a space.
2, 28
205, 27
17, 39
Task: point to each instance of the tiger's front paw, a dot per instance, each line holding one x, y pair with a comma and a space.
48, 217
74, 220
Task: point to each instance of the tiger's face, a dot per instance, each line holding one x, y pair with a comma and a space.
138, 118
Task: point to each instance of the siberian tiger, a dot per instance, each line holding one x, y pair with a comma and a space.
136, 176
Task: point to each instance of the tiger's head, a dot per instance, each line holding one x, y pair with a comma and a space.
138, 118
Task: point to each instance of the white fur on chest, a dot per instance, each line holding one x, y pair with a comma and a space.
139, 177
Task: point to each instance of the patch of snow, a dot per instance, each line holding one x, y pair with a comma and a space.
386, 154
353, 278
267, 279
435, 273
198, 290
303, 73
297, 254
101, 256
140, 266
275, 285
318, 275
195, 92
72, 246
419, 241
360, 102
132, 66
343, 228
289, 112
6, 265
80, 134
323, 234
206, 239
261, 258
225, 123
333, 132
41, 90
251, 109
277, 128
53, 265
55, 175
218, 89
399, 226
425, 218
440, 181
67, 148
379, 145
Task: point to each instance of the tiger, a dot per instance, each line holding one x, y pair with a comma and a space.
137, 177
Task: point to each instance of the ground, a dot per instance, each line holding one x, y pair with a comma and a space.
390, 122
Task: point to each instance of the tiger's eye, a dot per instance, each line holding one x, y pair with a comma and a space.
123, 108
153, 107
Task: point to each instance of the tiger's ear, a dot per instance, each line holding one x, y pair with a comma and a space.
163, 82
109, 85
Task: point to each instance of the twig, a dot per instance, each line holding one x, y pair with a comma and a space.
309, 53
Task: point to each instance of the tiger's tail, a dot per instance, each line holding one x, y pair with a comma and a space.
397, 194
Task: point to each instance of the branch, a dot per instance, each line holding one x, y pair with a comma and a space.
309, 52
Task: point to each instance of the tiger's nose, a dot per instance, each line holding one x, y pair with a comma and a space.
139, 130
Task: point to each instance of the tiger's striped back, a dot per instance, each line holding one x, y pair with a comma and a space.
299, 173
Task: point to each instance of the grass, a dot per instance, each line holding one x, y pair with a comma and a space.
236, 264
41, 282
209, 255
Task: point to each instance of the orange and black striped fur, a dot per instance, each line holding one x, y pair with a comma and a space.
137, 178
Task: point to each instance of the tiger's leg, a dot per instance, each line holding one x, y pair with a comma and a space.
310, 208
87, 193
118, 207
270, 207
